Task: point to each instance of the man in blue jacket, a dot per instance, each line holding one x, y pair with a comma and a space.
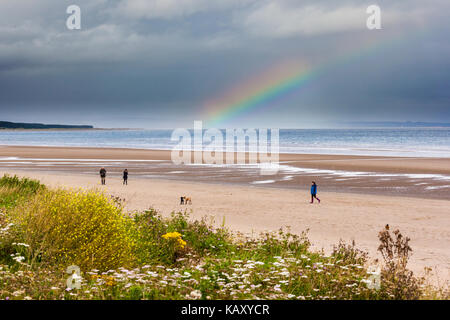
314, 192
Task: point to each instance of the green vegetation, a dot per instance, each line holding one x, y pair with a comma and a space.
146, 256
14, 190
73, 227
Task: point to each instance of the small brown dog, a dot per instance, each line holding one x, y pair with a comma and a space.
185, 200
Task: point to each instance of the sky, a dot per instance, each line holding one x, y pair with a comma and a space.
166, 63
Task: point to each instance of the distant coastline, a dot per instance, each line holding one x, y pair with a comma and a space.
6, 125
393, 124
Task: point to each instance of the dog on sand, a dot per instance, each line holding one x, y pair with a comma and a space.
185, 200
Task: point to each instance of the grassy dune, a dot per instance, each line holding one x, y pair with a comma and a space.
142, 255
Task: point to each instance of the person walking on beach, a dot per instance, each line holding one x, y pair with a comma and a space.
103, 175
125, 177
314, 192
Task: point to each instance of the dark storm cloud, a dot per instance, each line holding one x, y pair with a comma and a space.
148, 63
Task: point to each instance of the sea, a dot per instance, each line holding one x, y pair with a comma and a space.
403, 142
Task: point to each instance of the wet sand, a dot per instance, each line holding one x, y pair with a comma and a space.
390, 176
334, 162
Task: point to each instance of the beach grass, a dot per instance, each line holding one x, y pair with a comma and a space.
142, 255
13, 190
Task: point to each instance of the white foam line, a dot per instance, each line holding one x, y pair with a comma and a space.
59, 163
349, 174
437, 187
341, 173
81, 160
16, 162
356, 159
262, 182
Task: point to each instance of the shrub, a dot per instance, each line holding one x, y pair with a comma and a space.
397, 281
349, 254
200, 235
148, 230
13, 191
6, 239
74, 227
283, 241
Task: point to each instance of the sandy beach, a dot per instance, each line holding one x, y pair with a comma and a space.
230, 195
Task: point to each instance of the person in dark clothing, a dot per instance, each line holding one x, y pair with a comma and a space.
314, 192
103, 175
125, 177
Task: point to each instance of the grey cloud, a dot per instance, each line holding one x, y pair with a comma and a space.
159, 60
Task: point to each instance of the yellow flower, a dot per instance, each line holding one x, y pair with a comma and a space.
172, 235
176, 236
181, 243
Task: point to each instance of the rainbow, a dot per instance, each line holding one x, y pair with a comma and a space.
274, 83
264, 88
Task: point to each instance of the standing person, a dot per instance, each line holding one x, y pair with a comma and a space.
125, 177
314, 192
103, 175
